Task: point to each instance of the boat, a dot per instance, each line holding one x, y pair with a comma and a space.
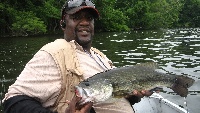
157, 104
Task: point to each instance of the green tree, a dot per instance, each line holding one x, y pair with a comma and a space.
28, 17
152, 14
50, 13
163, 13
190, 14
26, 23
111, 19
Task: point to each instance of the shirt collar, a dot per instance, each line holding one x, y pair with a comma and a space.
77, 46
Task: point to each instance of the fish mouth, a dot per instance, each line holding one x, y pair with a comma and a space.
80, 92
84, 94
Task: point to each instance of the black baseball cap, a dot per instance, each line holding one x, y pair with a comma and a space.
73, 6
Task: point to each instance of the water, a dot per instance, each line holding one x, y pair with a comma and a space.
176, 51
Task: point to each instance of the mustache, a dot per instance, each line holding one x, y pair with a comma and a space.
83, 28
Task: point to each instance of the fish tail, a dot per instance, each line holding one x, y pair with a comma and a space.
181, 85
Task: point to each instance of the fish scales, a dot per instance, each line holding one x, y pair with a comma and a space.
122, 81
126, 79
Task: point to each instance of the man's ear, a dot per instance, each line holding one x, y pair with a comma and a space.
63, 24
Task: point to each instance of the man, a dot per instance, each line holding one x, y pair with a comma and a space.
46, 85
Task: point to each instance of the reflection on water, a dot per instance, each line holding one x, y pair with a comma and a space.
176, 51
14, 54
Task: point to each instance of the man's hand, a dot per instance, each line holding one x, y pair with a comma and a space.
142, 93
75, 108
136, 96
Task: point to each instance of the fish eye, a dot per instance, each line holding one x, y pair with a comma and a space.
87, 84
187, 85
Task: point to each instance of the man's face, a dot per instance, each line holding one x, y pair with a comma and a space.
79, 27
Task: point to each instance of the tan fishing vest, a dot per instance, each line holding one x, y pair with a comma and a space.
63, 53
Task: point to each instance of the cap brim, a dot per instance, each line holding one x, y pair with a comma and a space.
76, 9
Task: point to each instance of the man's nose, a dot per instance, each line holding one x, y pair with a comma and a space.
84, 21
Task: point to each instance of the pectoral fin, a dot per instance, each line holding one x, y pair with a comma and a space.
180, 90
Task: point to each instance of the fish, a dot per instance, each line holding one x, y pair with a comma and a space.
122, 81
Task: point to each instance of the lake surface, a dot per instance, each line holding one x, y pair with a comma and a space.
176, 51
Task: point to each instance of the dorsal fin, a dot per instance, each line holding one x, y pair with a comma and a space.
151, 65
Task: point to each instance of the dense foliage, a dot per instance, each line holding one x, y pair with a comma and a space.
19, 17
190, 14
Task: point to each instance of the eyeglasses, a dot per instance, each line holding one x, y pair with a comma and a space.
77, 17
76, 3
70, 4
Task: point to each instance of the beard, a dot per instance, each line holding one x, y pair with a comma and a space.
83, 41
